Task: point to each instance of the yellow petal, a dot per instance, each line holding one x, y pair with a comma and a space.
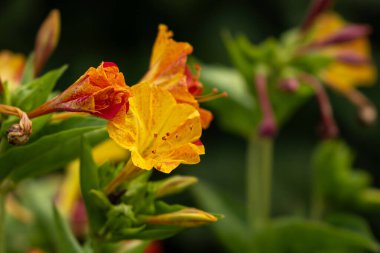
157, 130
11, 68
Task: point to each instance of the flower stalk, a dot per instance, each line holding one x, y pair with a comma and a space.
259, 182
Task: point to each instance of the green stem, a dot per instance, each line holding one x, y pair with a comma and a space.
2, 222
259, 182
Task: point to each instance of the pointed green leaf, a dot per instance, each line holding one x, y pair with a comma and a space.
66, 242
47, 153
299, 236
88, 182
36, 92
231, 230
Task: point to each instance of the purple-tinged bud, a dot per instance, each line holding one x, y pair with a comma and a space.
316, 8
345, 34
289, 84
268, 127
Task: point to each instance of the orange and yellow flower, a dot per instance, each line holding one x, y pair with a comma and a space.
168, 69
349, 48
158, 131
101, 91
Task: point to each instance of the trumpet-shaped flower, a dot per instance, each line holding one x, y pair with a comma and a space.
11, 68
349, 48
168, 69
100, 91
158, 131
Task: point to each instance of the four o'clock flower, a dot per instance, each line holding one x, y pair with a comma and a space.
100, 91
159, 132
168, 69
351, 65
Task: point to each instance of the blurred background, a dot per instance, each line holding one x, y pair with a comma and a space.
124, 32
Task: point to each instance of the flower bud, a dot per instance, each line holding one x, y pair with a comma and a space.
188, 217
46, 40
367, 115
289, 84
175, 185
17, 135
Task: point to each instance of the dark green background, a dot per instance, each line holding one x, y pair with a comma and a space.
124, 32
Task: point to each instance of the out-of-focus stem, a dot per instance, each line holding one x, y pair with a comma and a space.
3, 196
259, 182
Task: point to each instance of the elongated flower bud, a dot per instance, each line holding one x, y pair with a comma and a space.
188, 217
46, 40
175, 185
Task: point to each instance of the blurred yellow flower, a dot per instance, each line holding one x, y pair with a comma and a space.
11, 68
348, 46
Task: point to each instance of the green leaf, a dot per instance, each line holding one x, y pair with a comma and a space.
335, 180
28, 74
36, 92
66, 242
238, 57
351, 222
300, 236
88, 182
46, 154
231, 230
139, 248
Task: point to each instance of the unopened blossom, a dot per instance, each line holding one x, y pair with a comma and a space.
101, 91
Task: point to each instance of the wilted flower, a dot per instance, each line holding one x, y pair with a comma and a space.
100, 91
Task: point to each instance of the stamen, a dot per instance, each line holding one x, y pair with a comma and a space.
214, 94
268, 126
366, 110
329, 127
